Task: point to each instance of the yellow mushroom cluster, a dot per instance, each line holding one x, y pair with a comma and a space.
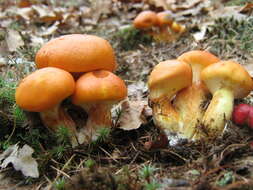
180, 88
165, 27
79, 67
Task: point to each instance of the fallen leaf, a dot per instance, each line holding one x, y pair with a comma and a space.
13, 40
100, 7
45, 14
132, 114
200, 35
21, 159
228, 11
247, 8
136, 90
24, 3
165, 4
50, 30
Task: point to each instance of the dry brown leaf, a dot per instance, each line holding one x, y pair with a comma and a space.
46, 14
228, 11
132, 114
100, 7
24, 3
188, 4
165, 4
21, 159
13, 40
247, 8
50, 30
25, 13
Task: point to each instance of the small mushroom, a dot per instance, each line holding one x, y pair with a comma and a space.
164, 19
177, 28
190, 100
77, 53
165, 81
226, 80
43, 91
96, 92
145, 20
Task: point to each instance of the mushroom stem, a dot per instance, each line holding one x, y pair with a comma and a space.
189, 103
166, 117
99, 116
57, 117
218, 112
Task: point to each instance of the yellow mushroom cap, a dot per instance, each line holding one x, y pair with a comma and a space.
44, 89
77, 53
200, 57
145, 20
228, 74
198, 60
99, 86
168, 77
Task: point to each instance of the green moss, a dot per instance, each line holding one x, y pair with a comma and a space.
129, 38
228, 33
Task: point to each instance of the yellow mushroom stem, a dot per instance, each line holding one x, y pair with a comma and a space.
166, 116
218, 112
57, 117
99, 117
189, 103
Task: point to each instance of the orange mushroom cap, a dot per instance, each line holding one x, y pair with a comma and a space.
145, 20
99, 86
77, 53
44, 89
168, 77
164, 18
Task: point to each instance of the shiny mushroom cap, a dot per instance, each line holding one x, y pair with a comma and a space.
168, 77
228, 74
145, 20
77, 53
44, 89
198, 60
99, 86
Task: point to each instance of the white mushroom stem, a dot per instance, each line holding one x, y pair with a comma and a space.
99, 116
218, 112
57, 117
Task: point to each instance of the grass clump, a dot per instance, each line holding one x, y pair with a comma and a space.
228, 34
146, 173
130, 37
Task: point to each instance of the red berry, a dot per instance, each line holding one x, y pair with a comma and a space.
250, 118
241, 113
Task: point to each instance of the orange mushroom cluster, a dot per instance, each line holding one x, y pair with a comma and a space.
165, 28
180, 88
76, 66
